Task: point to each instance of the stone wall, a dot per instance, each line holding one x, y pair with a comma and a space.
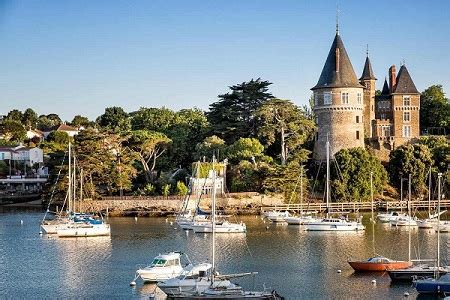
247, 204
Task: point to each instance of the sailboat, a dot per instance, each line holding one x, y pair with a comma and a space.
214, 286
303, 218
330, 223
377, 263
423, 269
437, 284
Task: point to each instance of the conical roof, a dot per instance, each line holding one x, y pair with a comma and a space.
367, 71
404, 84
338, 70
385, 90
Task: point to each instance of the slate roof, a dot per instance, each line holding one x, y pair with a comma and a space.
385, 90
367, 71
346, 76
404, 84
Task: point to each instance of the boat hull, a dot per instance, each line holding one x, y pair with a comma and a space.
407, 275
85, 231
364, 266
431, 286
333, 227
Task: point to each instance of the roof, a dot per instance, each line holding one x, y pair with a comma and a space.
404, 84
367, 71
64, 127
345, 75
385, 90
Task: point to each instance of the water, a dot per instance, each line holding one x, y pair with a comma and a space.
298, 264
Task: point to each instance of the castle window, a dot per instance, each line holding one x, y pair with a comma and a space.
359, 98
316, 102
344, 98
383, 116
406, 116
385, 130
406, 101
406, 131
357, 134
357, 119
326, 98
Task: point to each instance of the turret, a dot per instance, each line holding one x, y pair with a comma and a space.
368, 81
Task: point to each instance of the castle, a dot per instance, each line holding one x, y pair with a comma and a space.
348, 112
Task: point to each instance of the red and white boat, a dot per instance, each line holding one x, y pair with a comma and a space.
378, 264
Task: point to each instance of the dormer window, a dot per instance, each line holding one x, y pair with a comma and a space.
344, 97
326, 98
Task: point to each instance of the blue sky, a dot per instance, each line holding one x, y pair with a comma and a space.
78, 57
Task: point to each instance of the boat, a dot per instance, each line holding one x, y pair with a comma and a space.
301, 219
329, 223
440, 286
377, 263
214, 286
168, 265
430, 222
220, 227
404, 221
278, 216
390, 216
274, 214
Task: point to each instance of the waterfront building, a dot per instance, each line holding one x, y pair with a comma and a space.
20, 153
349, 113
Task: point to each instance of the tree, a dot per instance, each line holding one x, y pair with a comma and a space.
115, 119
285, 123
15, 115
351, 180
79, 121
440, 150
30, 118
245, 149
434, 108
232, 116
148, 145
287, 180
59, 137
13, 130
211, 145
410, 159
46, 122
156, 119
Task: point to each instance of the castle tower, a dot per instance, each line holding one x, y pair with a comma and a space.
368, 81
338, 103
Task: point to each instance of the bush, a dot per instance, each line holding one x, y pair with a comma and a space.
181, 189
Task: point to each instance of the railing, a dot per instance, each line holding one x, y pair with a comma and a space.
356, 206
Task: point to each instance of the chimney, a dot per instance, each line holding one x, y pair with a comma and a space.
392, 78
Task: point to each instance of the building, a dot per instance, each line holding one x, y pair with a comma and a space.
348, 113
71, 131
30, 156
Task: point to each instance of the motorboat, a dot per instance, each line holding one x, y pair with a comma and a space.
416, 271
378, 263
404, 221
168, 265
301, 220
440, 286
390, 216
334, 224
220, 227
278, 217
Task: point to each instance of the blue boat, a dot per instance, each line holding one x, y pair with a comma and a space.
439, 286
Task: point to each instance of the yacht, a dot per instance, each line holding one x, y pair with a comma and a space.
390, 216
404, 221
278, 217
220, 227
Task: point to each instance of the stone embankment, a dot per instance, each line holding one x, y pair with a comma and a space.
236, 204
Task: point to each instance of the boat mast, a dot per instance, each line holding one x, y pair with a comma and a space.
429, 193
327, 188
74, 184
70, 179
372, 220
213, 220
301, 190
81, 187
438, 223
409, 217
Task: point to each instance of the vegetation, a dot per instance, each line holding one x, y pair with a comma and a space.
262, 143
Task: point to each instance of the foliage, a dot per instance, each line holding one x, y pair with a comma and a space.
13, 130
233, 115
3, 168
30, 118
59, 137
247, 149
15, 115
149, 189
410, 159
202, 169
181, 189
351, 180
166, 190
434, 108
78, 121
44, 122
440, 150
155, 119
286, 124
115, 119
247, 176
211, 145
148, 146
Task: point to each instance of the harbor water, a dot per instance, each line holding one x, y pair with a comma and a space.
297, 264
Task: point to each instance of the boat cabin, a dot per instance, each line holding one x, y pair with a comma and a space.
166, 260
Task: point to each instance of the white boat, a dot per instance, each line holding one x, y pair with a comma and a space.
278, 216
221, 227
167, 266
404, 221
84, 230
329, 223
390, 216
301, 220
334, 224
273, 213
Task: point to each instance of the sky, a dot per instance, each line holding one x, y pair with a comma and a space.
78, 57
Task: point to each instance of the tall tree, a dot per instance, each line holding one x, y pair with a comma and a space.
434, 108
285, 123
148, 146
30, 118
115, 119
156, 119
79, 120
211, 145
13, 130
233, 115
440, 150
15, 115
410, 159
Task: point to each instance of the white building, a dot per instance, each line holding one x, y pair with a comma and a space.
21, 153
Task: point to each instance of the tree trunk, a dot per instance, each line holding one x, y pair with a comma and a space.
283, 148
